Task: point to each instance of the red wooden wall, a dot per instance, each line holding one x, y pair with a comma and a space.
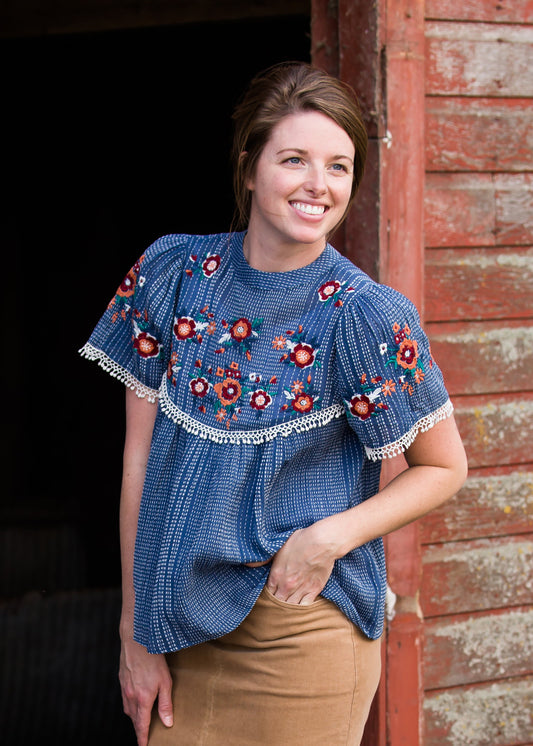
477, 583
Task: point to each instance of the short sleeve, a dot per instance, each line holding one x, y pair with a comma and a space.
391, 387
132, 339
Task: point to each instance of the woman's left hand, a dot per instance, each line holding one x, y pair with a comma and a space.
301, 568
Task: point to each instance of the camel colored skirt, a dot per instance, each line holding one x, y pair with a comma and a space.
287, 676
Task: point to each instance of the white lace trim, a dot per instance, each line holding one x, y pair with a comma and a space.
401, 445
118, 372
300, 425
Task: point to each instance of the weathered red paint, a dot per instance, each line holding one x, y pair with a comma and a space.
497, 11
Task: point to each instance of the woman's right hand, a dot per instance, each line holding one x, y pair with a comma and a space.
144, 677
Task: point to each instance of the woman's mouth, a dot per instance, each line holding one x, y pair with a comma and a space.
308, 209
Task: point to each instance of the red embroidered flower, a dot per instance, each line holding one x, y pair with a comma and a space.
228, 391
361, 406
302, 355
241, 329
199, 387
260, 399
303, 403
146, 345
407, 355
328, 290
211, 264
185, 328
127, 286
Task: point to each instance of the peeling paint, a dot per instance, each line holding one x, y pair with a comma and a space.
491, 645
512, 344
483, 716
487, 260
492, 422
511, 493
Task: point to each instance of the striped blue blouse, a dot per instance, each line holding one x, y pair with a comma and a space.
278, 396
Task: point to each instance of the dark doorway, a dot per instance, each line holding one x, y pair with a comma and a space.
112, 139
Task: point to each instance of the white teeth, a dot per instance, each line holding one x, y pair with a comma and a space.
309, 209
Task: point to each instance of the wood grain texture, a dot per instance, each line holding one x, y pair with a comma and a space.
493, 502
484, 358
482, 574
479, 59
467, 649
481, 135
497, 714
496, 430
478, 210
478, 284
494, 11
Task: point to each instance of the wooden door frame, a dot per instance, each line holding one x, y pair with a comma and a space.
378, 48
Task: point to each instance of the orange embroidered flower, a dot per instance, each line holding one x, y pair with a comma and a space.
211, 328
407, 355
127, 286
361, 406
228, 391
388, 388
302, 355
185, 328
241, 329
419, 375
297, 387
146, 345
303, 403
221, 415
278, 343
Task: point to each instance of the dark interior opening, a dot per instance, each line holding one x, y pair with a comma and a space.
111, 140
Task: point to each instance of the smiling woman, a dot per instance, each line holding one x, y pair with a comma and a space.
251, 512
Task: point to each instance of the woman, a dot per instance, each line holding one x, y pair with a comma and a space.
251, 516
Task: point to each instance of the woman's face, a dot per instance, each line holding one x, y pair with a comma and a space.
302, 183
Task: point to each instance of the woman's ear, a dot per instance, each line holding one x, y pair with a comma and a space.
248, 180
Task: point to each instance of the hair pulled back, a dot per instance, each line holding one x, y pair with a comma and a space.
284, 89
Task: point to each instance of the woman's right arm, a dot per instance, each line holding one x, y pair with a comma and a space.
143, 676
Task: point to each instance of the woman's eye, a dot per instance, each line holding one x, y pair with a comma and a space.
294, 159
339, 167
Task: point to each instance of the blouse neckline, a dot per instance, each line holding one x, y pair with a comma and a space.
277, 280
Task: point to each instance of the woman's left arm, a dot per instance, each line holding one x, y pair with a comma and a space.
437, 469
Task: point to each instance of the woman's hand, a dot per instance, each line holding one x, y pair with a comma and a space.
144, 677
301, 568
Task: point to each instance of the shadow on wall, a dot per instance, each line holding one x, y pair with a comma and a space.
112, 140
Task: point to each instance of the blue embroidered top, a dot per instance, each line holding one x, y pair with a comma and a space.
278, 395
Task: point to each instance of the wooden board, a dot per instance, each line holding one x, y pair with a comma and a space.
482, 358
478, 210
479, 59
478, 284
481, 135
496, 714
468, 576
496, 430
493, 502
472, 648
495, 11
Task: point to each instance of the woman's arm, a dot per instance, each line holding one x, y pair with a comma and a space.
437, 469
143, 676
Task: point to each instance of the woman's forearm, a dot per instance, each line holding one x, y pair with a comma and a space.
140, 417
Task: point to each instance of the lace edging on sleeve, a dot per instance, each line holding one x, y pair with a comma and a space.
117, 371
399, 446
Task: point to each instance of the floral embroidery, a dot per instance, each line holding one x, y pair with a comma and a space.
363, 405
301, 354
189, 328
125, 291
146, 345
173, 368
206, 268
330, 291
301, 399
405, 355
228, 395
240, 334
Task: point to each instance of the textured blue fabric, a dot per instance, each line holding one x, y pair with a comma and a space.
278, 394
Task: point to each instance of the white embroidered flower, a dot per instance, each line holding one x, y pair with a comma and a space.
383, 348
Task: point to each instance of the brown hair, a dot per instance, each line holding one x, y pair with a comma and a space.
283, 89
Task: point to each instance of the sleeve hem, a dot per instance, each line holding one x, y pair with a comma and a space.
399, 446
117, 371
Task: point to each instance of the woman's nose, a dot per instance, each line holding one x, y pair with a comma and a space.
316, 182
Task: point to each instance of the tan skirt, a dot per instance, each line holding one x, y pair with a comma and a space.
287, 676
